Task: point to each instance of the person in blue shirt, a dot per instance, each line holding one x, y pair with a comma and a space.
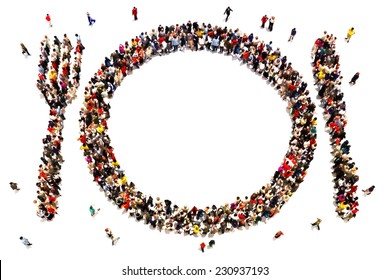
90, 20
215, 43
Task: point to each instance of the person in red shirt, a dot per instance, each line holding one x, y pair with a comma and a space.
134, 12
48, 19
263, 21
202, 246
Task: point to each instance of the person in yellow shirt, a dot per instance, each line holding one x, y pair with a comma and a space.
123, 180
52, 75
196, 230
115, 163
320, 77
351, 32
84, 147
317, 223
100, 129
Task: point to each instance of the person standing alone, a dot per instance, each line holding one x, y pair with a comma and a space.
292, 34
369, 190
111, 236
48, 19
90, 20
25, 241
354, 78
317, 223
350, 33
134, 12
227, 13
13, 185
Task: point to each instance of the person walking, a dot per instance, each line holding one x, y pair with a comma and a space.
111, 236
369, 190
48, 19
25, 241
227, 13
134, 12
202, 246
211, 243
14, 186
354, 78
278, 234
350, 33
93, 211
24, 49
90, 20
271, 24
317, 223
292, 34
263, 21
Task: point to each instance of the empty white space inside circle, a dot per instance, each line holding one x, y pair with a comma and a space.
198, 128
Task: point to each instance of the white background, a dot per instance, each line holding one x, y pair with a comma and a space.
198, 128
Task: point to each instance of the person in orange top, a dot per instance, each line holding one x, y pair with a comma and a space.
278, 234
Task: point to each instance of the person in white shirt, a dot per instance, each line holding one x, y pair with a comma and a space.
25, 241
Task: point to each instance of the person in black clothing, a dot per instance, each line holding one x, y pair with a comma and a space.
292, 34
14, 186
227, 13
354, 78
24, 49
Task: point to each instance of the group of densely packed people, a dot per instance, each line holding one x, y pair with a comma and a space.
58, 80
262, 59
328, 79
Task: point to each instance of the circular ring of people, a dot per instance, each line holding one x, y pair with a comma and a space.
162, 214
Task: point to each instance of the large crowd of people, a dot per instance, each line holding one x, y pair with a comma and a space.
58, 80
326, 70
261, 58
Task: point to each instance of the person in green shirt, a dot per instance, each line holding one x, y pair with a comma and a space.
24, 49
93, 211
